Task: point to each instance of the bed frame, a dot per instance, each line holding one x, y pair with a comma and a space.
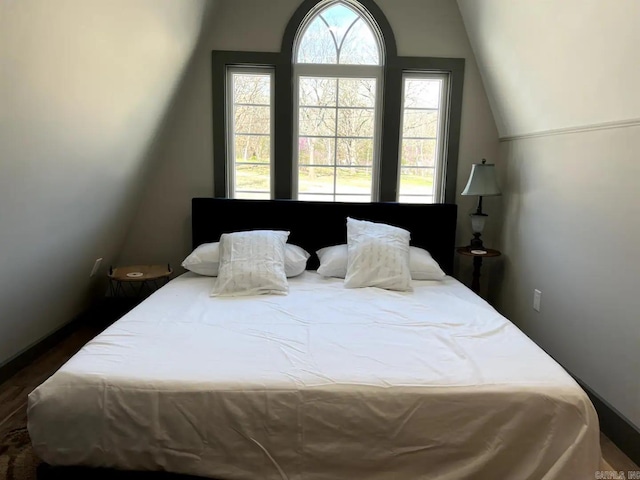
313, 225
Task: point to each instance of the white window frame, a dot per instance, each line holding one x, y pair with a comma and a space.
440, 164
231, 127
339, 71
375, 73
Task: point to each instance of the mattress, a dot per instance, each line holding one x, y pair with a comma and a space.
324, 383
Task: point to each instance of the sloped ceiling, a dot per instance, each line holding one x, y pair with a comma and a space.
84, 87
550, 64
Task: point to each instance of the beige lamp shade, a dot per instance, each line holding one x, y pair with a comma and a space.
482, 180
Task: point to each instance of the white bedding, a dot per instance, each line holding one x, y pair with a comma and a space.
325, 383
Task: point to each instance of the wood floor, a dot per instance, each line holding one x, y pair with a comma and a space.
13, 392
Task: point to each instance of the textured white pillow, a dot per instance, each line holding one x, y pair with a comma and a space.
252, 263
333, 263
378, 256
205, 260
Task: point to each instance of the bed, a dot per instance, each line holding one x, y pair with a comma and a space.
323, 383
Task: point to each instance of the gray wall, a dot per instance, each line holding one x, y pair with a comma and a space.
183, 166
572, 231
562, 78
84, 87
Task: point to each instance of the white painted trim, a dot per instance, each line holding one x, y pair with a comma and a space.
633, 122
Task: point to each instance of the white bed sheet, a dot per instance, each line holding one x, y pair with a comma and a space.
325, 383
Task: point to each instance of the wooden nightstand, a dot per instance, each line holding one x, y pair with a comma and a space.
137, 280
477, 262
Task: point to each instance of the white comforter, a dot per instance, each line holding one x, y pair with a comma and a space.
325, 383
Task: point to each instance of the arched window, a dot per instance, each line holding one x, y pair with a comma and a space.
338, 74
315, 122
338, 33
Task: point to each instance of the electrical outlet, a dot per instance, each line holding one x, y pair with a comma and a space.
537, 297
96, 266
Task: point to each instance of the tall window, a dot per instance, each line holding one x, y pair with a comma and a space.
250, 143
424, 107
338, 77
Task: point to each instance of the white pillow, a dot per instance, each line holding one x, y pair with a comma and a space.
333, 263
295, 260
205, 260
378, 256
252, 263
423, 266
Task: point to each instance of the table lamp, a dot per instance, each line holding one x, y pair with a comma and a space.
482, 182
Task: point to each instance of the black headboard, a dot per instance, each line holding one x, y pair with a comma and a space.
314, 225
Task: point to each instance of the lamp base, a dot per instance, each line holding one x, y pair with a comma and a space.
476, 242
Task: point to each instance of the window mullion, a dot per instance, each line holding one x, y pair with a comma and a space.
333, 70
231, 130
377, 138
335, 142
